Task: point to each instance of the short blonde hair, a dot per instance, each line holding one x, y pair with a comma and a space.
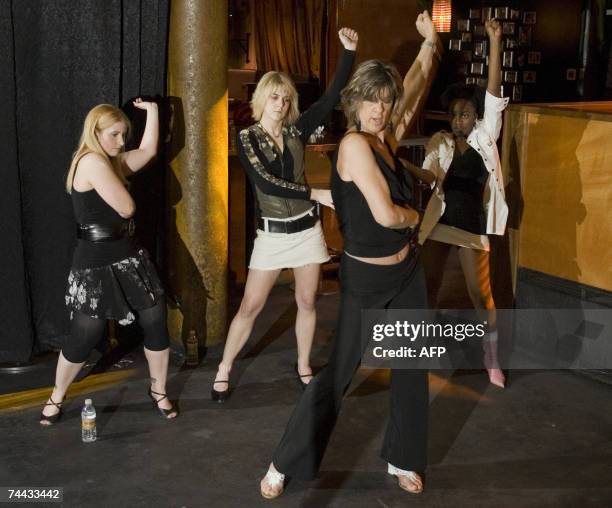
373, 80
268, 83
99, 118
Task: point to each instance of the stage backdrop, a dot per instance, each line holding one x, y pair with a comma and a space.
59, 59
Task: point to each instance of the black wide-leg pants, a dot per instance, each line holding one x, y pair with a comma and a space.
364, 286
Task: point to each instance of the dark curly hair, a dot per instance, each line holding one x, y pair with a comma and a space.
473, 93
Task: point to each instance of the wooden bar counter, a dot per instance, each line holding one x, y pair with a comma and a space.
557, 162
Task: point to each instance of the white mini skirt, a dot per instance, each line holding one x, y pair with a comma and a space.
273, 251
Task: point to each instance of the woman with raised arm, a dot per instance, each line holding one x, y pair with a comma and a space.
289, 233
111, 276
373, 196
468, 200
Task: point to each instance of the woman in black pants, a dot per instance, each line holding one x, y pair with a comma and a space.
372, 194
111, 277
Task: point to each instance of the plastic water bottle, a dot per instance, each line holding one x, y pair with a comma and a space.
88, 422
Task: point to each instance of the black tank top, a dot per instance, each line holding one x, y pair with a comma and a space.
463, 192
90, 208
363, 236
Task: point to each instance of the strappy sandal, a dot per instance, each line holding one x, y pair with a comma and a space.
300, 376
407, 480
47, 421
275, 482
164, 412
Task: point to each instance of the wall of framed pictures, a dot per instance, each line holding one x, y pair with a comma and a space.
540, 47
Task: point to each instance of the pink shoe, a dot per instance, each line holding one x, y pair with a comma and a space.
496, 376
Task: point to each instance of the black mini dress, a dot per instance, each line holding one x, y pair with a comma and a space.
110, 279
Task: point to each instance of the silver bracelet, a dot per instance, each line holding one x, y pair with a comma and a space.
429, 44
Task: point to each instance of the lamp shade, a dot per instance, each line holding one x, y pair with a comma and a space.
441, 15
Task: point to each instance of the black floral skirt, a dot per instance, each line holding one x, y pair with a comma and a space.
116, 291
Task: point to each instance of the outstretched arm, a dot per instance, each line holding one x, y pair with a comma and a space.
494, 31
135, 160
315, 114
421, 174
494, 102
418, 78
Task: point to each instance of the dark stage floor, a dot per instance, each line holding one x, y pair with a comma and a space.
543, 441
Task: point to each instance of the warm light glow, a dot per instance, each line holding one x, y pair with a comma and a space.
441, 15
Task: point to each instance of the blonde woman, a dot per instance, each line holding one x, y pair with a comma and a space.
289, 233
111, 277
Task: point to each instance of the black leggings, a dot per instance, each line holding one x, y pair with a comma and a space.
86, 332
364, 286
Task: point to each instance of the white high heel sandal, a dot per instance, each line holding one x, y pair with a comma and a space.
275, 481
407, 480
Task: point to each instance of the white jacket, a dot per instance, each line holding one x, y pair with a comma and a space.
438, 157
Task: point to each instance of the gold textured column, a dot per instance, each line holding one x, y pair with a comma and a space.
197, 231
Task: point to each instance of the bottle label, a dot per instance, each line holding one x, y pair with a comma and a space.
88, 424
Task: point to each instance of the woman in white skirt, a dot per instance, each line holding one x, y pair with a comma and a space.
289, 233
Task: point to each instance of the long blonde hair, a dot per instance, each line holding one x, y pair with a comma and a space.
268, 83
99, 118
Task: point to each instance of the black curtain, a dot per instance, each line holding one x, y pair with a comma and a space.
62, 58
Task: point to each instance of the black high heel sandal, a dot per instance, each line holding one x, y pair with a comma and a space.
164, 412
300, 376
47, 421
218, 396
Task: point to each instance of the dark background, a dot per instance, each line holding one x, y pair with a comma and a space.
63, 57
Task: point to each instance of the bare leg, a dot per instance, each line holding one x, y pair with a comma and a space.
306, 283
64, 376
158, 370
434, 258
475, 265
256, 291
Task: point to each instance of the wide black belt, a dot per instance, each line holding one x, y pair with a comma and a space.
105, 232
289, 226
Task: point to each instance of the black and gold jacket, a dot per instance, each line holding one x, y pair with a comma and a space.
278, 178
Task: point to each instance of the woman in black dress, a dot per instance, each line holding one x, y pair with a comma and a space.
111, 277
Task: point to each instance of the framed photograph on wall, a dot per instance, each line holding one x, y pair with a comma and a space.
511, 43
534, 58
517, 93
502, 12
508, 28
529, 17
474, 13
520, 60
508, 59
511, 77
524, 36
515, 14
480, 49
529, 76
479, 31
470, 80
466, 37
463, 25
454, 44
467, 55
477, 68
487, 13
570, 74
